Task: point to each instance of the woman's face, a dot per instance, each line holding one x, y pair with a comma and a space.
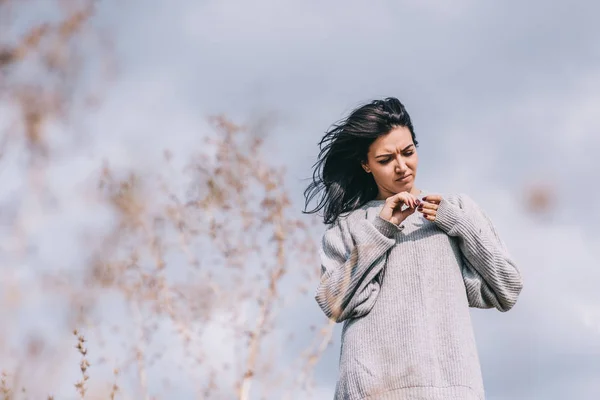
392, 159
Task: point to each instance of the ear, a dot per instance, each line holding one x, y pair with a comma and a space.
366, 167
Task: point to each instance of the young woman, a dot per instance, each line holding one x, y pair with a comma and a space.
400, 266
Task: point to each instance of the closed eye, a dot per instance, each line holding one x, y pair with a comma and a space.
387, 160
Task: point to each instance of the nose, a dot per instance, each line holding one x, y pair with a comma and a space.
400, 166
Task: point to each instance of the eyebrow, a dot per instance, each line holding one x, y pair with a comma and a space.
388, 154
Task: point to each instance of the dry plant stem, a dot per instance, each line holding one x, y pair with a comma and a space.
327, 334
83, 365
115, 388
175, 213
44, 101
229, 194
312, 357
265, 307
4, 389
164, 292
140, 349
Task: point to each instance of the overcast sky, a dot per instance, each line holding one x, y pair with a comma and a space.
501, 94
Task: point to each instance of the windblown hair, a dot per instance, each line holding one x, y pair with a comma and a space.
338, 175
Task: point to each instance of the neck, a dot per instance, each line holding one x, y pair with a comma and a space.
414, 191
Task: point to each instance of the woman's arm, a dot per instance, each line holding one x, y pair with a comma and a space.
352, 265
491, 277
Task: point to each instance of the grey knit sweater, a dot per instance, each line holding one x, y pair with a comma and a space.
403, 293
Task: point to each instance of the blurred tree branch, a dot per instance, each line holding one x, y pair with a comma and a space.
223, 255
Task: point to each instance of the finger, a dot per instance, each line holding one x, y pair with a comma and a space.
402, 198
408, 212
393, 201
433, 198
408, 199
412, 201
432, 206
418, 201
428, 211
398, 198
429, 217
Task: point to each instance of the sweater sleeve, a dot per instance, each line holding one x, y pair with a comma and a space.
491, 277
352, 265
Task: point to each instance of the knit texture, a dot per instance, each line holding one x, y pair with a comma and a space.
403, 293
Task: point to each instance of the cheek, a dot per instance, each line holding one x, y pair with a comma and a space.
383, 171
414, 162
390, 172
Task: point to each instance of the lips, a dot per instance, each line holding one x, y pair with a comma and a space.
403, 178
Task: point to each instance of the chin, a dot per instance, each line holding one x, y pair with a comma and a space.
405, 186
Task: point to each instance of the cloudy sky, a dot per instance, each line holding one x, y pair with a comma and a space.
502, 94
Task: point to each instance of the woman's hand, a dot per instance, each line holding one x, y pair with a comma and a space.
429, 206
392, 210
